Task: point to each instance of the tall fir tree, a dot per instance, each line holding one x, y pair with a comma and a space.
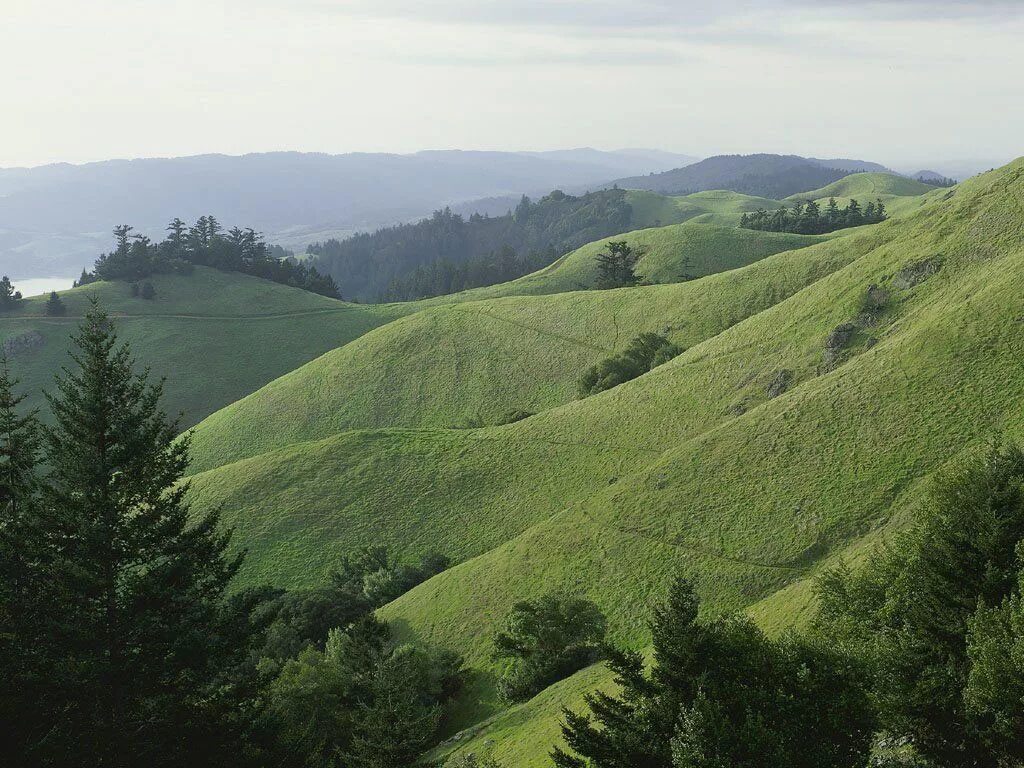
145, 639
24, 603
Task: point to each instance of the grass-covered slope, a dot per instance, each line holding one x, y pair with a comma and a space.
470, 363
868, 186
715, 206
693, 248
693, 466
216, 335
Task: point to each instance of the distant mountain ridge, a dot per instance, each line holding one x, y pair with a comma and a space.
55, 219
763, 175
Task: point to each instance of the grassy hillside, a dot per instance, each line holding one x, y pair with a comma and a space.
707, 248
713, 207
693, 466
491, 357
867, 185
216, 335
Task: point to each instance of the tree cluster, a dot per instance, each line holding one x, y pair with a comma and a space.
121, 641
642, 354
721, 693
937, 181
205, 243
937, 618
546, 640
456, 252
808, 218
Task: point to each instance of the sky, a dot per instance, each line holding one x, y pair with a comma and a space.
898, 82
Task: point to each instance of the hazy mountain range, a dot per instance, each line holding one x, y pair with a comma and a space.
55, 219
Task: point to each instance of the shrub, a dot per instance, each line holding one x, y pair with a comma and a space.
547, 640
642, 354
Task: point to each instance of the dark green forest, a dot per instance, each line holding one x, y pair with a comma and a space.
808, 218
205, 243
448, 252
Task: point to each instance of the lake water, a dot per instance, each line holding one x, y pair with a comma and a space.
37, 286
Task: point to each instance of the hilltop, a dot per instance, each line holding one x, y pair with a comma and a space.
607, 496
216, 335
772, 176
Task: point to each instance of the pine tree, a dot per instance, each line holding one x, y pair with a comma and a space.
23, 598
54, 306
144, 640
616, 266
9, 297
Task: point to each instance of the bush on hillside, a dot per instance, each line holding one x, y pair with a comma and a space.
546, 640
643, 353
934, 613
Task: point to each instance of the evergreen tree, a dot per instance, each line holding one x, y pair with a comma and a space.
616, 266
24, 598
909, 611
144, 641
55, 306
722, 694
9, 297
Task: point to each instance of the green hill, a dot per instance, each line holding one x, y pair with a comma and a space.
707, 464
693, 248
715, 207
867, 185
216, 335
494, 356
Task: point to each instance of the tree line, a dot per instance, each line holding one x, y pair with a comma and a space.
808, 218
205, 243
385, 263
442, 277
123, 641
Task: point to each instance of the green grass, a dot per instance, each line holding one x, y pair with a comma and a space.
216, 336
689, 467
867, 186
709, 248
721, 207
491, 357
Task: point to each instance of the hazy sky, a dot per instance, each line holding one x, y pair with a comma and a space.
896, 81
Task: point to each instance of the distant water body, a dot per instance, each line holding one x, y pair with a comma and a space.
37, 286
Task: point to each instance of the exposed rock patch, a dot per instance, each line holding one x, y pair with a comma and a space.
23, 342
837, 341
780, 384
917, 273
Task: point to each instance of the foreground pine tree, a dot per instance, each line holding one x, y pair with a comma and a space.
22, 590
141, 639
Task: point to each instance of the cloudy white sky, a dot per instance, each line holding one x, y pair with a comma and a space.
899, 81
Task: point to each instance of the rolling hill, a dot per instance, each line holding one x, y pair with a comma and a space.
217, 336
900, 194
772, 176
707, 464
